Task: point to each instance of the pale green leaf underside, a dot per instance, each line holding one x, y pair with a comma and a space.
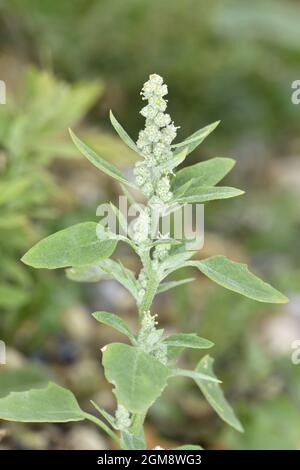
53, 404
194, 374
139, 378
188, 340
24, 378
207, 193
175, 260
77, 245
236, 277
165, 286
214, 394
123, 275
207, 173
109, 418
173, 162
196, 138
91, 273
98, 161
122, 133
111, 319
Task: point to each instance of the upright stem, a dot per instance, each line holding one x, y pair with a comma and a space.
152, 283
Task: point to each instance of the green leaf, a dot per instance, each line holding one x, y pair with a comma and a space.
181, 190
207, 193
175, 261
122, 133
16, 380
123, 275
236, 277
173, 353
214, 394
109, 418
197, 138
139, 378
194, 374
121, 218
53, 404
92, 273
173, 162
188, 447
75, 246
111, 319
186, 340
165, 286
98, 161
206, 173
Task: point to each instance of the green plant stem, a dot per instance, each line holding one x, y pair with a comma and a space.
103, 426
152, 284
137, 427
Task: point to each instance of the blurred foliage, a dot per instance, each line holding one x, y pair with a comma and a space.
227, 60
32, 133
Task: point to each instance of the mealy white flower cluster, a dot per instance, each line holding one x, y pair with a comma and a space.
154, 143
141, 228
122, 418
149, 338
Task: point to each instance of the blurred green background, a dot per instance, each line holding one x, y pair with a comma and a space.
66, 64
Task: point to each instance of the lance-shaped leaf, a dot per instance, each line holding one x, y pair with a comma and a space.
98, 161
139, 378
122, 133
175, 261
236, 277
91, 273
109, 418
214, 394
206, 173
173, 162
186, 340
123, 275
165, 286
75, 246
194, 374
53, 404
111, 319
181, 190
121, 218
207, 193
196, 138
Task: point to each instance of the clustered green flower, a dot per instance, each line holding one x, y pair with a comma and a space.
122, 418
149, 338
